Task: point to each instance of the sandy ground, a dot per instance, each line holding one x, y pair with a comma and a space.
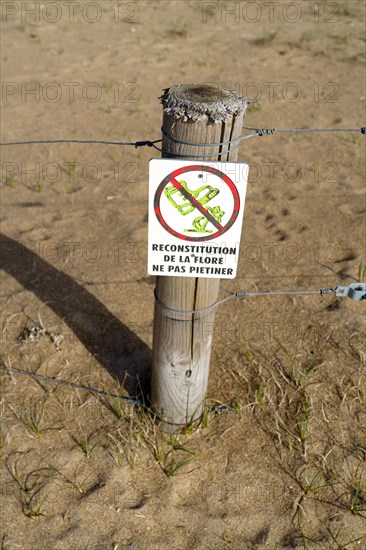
80, 471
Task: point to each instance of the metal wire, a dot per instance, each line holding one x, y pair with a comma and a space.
149, 143
283, 293
136, 144
127, 400
191, 311
271, 131
199, 144
244, 294
209, 155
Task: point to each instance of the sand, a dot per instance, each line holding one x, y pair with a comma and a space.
83, 471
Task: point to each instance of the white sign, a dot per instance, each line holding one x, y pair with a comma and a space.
195, 217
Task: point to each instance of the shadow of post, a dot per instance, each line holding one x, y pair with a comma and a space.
115, 346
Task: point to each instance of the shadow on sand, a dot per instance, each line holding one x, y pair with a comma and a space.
115, 346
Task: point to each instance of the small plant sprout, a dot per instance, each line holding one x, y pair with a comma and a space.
254, 107
33, 510
356, 140
71, 168
358, 502
123, 448
260, 393
108, 85
31, 485
12, 467
33, 421
171, 464
311, 482
115, 405
303, 420
38, 186
87, 446
10, 181
362, 272
33, 418
79, 487
205, 416
248, 353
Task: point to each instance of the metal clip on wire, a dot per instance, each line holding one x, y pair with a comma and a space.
355, 291
266, 131
144, 143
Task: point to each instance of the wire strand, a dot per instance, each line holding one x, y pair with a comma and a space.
136, 144
271, 131
244, 294
128, 400
36, 376
149, 143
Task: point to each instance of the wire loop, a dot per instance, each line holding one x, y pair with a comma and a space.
200, 144
190, 311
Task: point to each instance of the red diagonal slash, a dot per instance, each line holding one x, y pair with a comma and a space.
196, 204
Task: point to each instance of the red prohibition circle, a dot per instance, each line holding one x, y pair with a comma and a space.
196, 168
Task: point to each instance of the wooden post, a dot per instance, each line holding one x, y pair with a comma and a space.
182, 341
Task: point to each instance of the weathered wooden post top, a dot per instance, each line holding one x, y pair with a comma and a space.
200, 123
